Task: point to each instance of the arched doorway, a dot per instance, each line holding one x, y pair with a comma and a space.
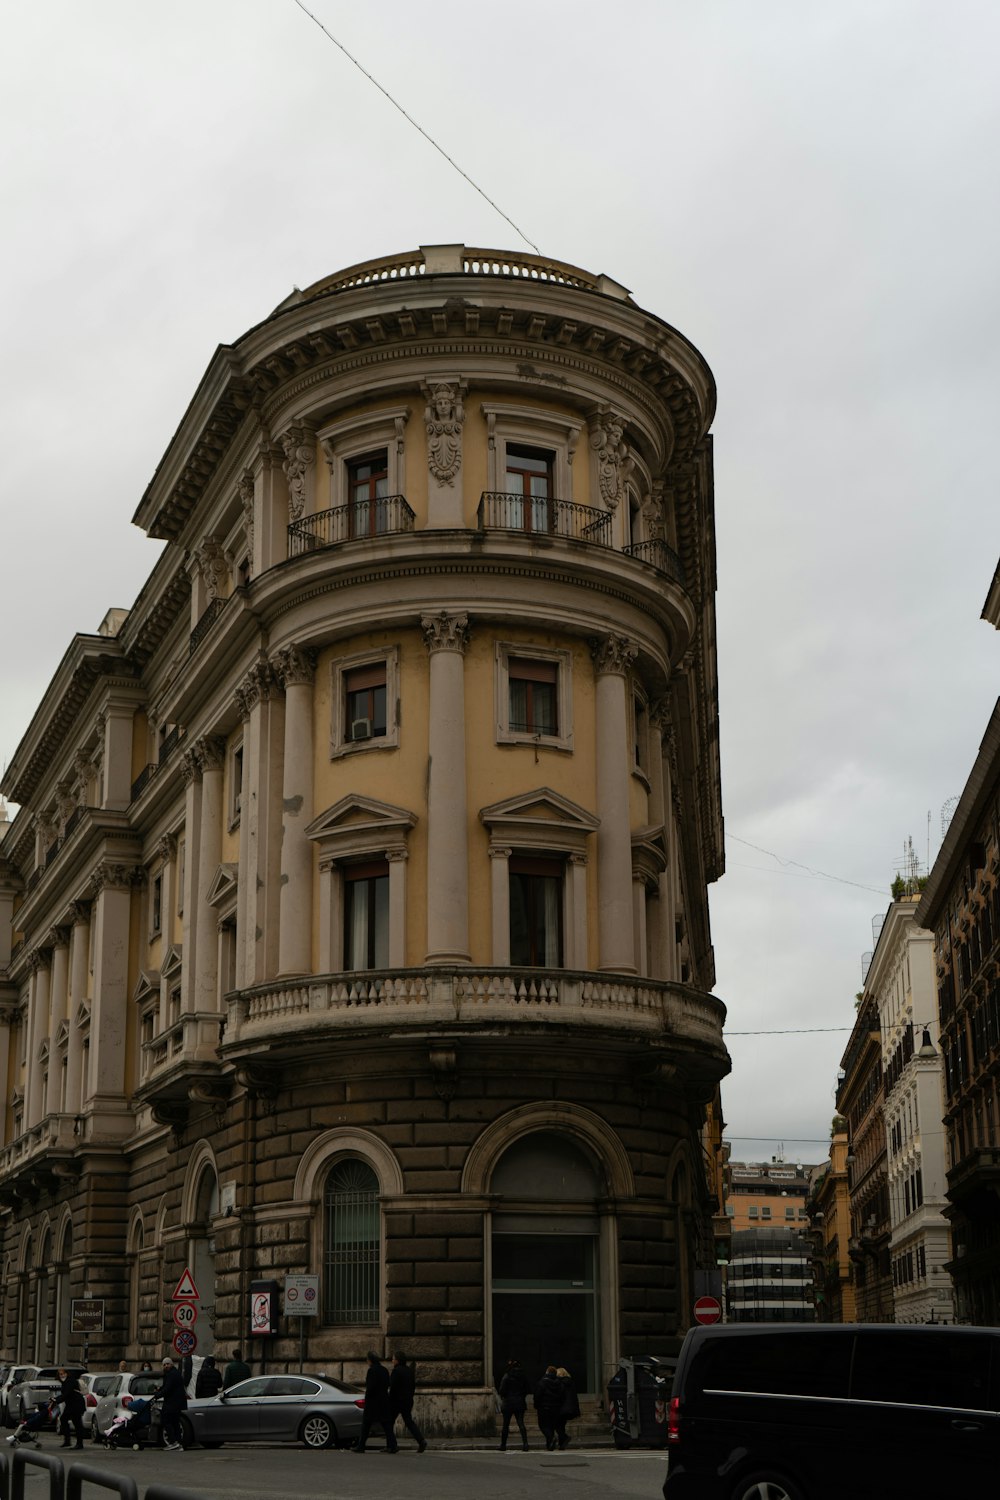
545, 1258
62, 1313
201, 1254
43, 1325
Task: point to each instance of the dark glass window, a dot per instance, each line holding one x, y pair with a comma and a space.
814, 1364
529, 478
533, 687
923, 1369
366, 916
351, 1249
367, 493
536, 913
365, 701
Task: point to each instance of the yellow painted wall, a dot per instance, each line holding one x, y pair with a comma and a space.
140, 742
230, 836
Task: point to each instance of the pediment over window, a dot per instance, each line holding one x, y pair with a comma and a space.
539, 820
170, 968
82, 1017
359, 825
61, 1037
222, 891
146, 986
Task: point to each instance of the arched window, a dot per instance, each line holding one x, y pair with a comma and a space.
134, 1281
351, 1244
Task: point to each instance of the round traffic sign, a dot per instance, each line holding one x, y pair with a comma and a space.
707, 1310
184, 1342
185, 1314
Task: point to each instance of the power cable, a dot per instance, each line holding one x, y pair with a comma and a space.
790, 1031
822, 874
409, 118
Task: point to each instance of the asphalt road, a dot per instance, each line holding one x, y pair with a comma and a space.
289, 1472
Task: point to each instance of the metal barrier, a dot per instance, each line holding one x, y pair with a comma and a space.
22, 1459
68, 1484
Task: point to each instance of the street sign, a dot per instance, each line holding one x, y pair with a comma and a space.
185, 1342
707, 1310
86, 1315
185, 1290
185, 1314
301, 1296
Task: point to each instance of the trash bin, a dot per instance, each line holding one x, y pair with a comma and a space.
638, 1398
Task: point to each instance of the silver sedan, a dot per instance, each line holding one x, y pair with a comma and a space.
310, 1409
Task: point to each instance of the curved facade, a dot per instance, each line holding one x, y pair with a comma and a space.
358, 894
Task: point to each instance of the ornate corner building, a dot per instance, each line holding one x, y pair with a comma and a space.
354, 919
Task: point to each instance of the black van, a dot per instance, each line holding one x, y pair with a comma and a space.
822, 1411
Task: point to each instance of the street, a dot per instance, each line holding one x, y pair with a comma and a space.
232, 1473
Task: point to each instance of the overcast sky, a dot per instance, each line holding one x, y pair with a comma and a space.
807, 190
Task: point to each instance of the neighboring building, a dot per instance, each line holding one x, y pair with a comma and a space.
770, 1277
359, 881
860, 1100
961, 905
900, 981
830, 1212
767, 1194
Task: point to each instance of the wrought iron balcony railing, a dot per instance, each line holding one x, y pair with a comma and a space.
143, 779
386, 516
659, 556
538, 515
173, 738
205, 624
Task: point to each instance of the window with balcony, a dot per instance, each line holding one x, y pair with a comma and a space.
536, 910
529, 485
156, 905
367, 494
364, 698
351, 1244
366, 916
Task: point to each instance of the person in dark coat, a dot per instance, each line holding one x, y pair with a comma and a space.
209, 1382
377, 1405
548, 1404
236, 1370
174, 1398
402, 1384
513, 1402
570, 1406
73, 1406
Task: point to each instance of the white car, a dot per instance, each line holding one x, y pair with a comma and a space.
95, 1384
122, 1390
16, 1376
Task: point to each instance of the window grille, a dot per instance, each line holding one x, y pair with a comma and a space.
351, 1245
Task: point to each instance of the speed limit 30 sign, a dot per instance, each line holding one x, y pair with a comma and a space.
185, 1314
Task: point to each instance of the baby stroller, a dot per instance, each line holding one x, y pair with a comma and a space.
131, 1429
28, 1430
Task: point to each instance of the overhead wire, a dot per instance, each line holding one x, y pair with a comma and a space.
410, 120
821, 874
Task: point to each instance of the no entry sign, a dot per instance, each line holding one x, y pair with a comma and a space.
707, 1310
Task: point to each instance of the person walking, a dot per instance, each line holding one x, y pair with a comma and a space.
513, 1390
209, 1382
73, 1406
237, 1369
402, 1384
548, 1405
569, 1409
377, 1405
175, 1399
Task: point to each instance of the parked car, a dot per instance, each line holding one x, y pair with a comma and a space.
820, 1411
42, 1384
95, 1384
310, 1409
16, 1375
123, 1388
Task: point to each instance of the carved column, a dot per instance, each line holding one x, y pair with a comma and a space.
500, 903
295, 669
191, 772
109, 1010
661, 815
444, 419
397, 907
38, 1023
271, 530
447, 831
579, 958
211, 753
613, 658
59, 1000
262, 708
79, 972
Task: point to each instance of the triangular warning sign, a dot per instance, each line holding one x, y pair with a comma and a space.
185, 1290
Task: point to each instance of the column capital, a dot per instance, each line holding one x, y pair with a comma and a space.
116, 877
497, 851
660, 717
613, 654
190, 769
294, 666
445, 632
57, 937
210, 751
259, 683
78, 913
165, 848
38, 958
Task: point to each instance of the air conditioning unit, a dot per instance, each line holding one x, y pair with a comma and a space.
361, 729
